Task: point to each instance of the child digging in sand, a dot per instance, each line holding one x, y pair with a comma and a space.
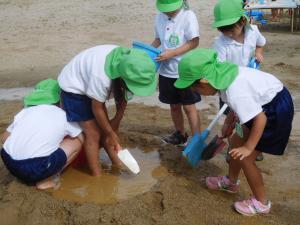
265, 111
87, 82
40, 142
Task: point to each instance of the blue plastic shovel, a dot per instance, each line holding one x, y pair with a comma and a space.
194, 150
254, 63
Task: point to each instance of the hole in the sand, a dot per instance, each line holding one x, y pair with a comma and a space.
113, 185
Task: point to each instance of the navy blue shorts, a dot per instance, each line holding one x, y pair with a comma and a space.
280, 113
169, 94
35, 169
78, 107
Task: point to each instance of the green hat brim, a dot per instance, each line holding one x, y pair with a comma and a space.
227, 22
181, 83
169, 7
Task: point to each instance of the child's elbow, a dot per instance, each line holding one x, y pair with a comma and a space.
4, 137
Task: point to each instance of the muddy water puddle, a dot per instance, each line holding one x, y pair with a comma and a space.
113, 185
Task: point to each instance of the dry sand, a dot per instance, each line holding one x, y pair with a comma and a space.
39, 37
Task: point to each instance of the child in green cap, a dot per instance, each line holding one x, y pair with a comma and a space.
264, 109
239, 41
88, 81
177, 32
40, 142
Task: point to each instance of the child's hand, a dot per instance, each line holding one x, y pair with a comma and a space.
168, 54
240, 153
112, 142
259, 57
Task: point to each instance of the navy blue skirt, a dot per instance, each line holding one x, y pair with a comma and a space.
279, 113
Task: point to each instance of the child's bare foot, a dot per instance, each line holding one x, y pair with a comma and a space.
51, 182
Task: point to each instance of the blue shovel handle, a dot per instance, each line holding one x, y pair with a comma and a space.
254, 63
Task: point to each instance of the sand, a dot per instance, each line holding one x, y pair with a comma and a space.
39, 37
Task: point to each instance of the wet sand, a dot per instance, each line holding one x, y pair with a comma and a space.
39, 37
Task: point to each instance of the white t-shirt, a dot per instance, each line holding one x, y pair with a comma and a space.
85, 74
37, 131
238, 53
173, 33
249, 92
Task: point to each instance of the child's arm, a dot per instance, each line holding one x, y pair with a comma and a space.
229, 124
259, 54
120, 106
156, 43
170, 53
260, 43
259, 123
4, 136
100, 112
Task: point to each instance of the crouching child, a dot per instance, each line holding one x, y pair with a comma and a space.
40, 143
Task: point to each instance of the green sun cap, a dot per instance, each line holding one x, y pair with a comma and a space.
45, 92
228, 12
168, 5
135, 67
202, 63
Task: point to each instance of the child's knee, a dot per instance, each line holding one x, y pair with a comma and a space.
189, 109
175, 108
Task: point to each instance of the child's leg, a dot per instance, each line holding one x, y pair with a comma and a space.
193, 117
50, 182
71, 147
254, 177
92, 145
249, 167
234, 165
112, 154
177, 117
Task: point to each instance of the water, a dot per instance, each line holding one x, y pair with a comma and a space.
114, 185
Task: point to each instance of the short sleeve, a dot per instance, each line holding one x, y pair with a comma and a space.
192, 26
245, 107
260, 39
98, 89
220, 49
16, 119
73, 129
10, 128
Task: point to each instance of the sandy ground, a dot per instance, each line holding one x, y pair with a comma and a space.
39, 37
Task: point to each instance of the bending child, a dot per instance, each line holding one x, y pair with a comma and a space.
40, 142
177, 32
265, 111
87, 82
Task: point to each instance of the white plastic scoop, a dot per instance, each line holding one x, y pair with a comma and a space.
128, 160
